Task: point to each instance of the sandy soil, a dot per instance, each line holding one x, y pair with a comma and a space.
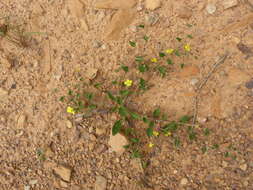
43, 147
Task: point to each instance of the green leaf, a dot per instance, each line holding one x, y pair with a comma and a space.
62, 98
215, 146
206, 132
124, 68
126, 146
97, 85
114, 82
157, 112
139, 58
119, 100
162, 70
142, 84
177, 142
92, 106
88, 96
145, 120
70, 92
146, 38
123, 111
178, 39
161, 54
170, 127
204, 149
177, 53
133, 44
189, 25
114, 109
192, 135
189, 36
149, 131
151, 123
125, 92
116, 127
111, 96
135, 154
182, 66
135, 140
141, 26
185, 119
169, 62
129, 131
134, 115
143, 68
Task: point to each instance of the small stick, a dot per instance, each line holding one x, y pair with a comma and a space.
203, 83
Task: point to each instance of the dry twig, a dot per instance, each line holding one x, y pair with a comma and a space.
203, 83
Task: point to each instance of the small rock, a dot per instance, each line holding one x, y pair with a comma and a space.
48, 151
97, 44
151, 18
202, 120
100, 183
100, 131
133, 28
69, 124
184, 181
243, 167
63, 172
249, 84
3, 94
117, 142
33, 182
136, 165
210, 8
63, 184
229, 3
184, 12
139, 7
92, 137
194, 81
224, 164
27, 187
91, 73
21, 121
103, 47
153, 4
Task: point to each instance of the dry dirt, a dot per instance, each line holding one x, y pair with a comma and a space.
43, 147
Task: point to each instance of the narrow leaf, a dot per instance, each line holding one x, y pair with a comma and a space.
116, 127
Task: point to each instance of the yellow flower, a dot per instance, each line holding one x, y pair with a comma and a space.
150, 145
153, 60
128, 83
169, 51
70, 110
155, 133
167, 134
187, 47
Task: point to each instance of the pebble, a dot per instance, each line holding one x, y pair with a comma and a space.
184, 181
63, 172
151, 18
97, 44
69, 124
33, 182
229, 3
194, 81
224, 164
202, 120
139, 7
63, 184
210, 8
133, 28
244, 167
27, 187
100, 131
3, 94
249, 84
136, 165
21, 121
117, 142
184, 12
153, 4
100, 183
